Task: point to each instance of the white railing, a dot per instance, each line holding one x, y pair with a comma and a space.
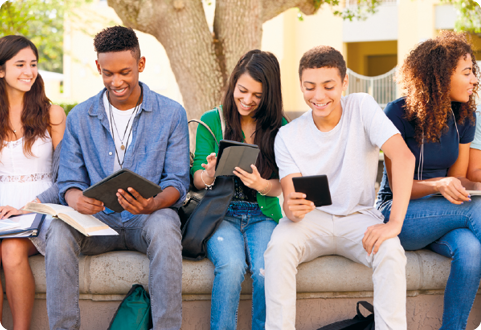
382, 88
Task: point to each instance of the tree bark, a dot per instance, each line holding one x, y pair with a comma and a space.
201, 60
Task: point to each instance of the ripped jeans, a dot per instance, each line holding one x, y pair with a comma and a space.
238, 245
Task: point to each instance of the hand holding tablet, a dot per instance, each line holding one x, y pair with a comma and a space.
315, 187
234, 154
106, 190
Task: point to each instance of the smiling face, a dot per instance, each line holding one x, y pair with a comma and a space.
20, 71
462, 80
247, 95
120, 73
322, 89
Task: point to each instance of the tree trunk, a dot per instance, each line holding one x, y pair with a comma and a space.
181, 27
201, 60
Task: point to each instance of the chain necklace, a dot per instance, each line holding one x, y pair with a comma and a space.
112, 124
14, 130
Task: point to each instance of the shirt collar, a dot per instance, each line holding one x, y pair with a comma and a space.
96, 109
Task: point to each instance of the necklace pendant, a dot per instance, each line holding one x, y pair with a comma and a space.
122, 147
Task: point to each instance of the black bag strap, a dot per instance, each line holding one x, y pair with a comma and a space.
359, 322
366, 305
222, 123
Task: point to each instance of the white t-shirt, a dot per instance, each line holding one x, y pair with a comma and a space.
121, 119
348, 154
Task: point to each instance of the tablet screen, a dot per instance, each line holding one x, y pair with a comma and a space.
316, 188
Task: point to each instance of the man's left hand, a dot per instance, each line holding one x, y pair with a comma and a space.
377, 234
136, 204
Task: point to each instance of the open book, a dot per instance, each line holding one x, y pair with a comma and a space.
86, 224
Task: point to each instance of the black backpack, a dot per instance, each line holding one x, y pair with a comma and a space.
359, 322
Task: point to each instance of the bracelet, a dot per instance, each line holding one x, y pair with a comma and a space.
207, 186
268, 188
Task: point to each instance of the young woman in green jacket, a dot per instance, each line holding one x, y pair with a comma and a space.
252, 109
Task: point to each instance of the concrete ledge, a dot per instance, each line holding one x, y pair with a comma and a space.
328, 288
113, 273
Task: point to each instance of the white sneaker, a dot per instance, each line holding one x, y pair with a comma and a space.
478, 328
1, 327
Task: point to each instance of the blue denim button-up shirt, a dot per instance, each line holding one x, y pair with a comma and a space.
159, 150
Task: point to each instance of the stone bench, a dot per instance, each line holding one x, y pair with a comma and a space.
328, 288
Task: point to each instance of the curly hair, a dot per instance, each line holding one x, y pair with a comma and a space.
323, 57
35, 114
117, 39
426, 77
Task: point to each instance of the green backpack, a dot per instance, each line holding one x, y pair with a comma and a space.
134, 311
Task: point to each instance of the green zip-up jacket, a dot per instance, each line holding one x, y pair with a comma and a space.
205, 145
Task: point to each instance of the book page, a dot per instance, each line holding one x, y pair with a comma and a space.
84, 220
8, 224
104, 232
88, 222
24, 221
40, 208
27, 233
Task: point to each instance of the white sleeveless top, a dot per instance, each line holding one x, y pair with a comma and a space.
23, 177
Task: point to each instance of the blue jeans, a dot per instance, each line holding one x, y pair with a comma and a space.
453, 231
157, 235
239, 242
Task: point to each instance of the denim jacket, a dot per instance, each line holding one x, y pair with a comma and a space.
159, 150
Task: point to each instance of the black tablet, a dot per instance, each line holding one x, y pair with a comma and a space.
235, 154
316, 188
106, 190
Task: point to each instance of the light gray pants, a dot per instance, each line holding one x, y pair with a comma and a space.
319, 234
157, 235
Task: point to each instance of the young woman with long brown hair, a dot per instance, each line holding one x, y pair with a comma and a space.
253, 113
436, 119
30, 128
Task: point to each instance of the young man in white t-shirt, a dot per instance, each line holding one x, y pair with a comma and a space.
340, 137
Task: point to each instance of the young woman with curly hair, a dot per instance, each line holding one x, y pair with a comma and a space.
30, 128
253, 113
436, 119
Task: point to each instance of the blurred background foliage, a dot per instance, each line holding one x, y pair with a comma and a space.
42, 21
469, 18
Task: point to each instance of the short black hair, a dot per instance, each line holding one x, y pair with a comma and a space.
117, 39
323, 57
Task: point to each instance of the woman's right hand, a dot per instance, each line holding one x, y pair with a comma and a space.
7, 211
209, 168
452, 189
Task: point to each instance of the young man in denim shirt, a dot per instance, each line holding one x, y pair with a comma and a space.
129, 126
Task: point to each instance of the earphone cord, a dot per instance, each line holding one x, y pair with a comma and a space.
421, 153
421, 161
